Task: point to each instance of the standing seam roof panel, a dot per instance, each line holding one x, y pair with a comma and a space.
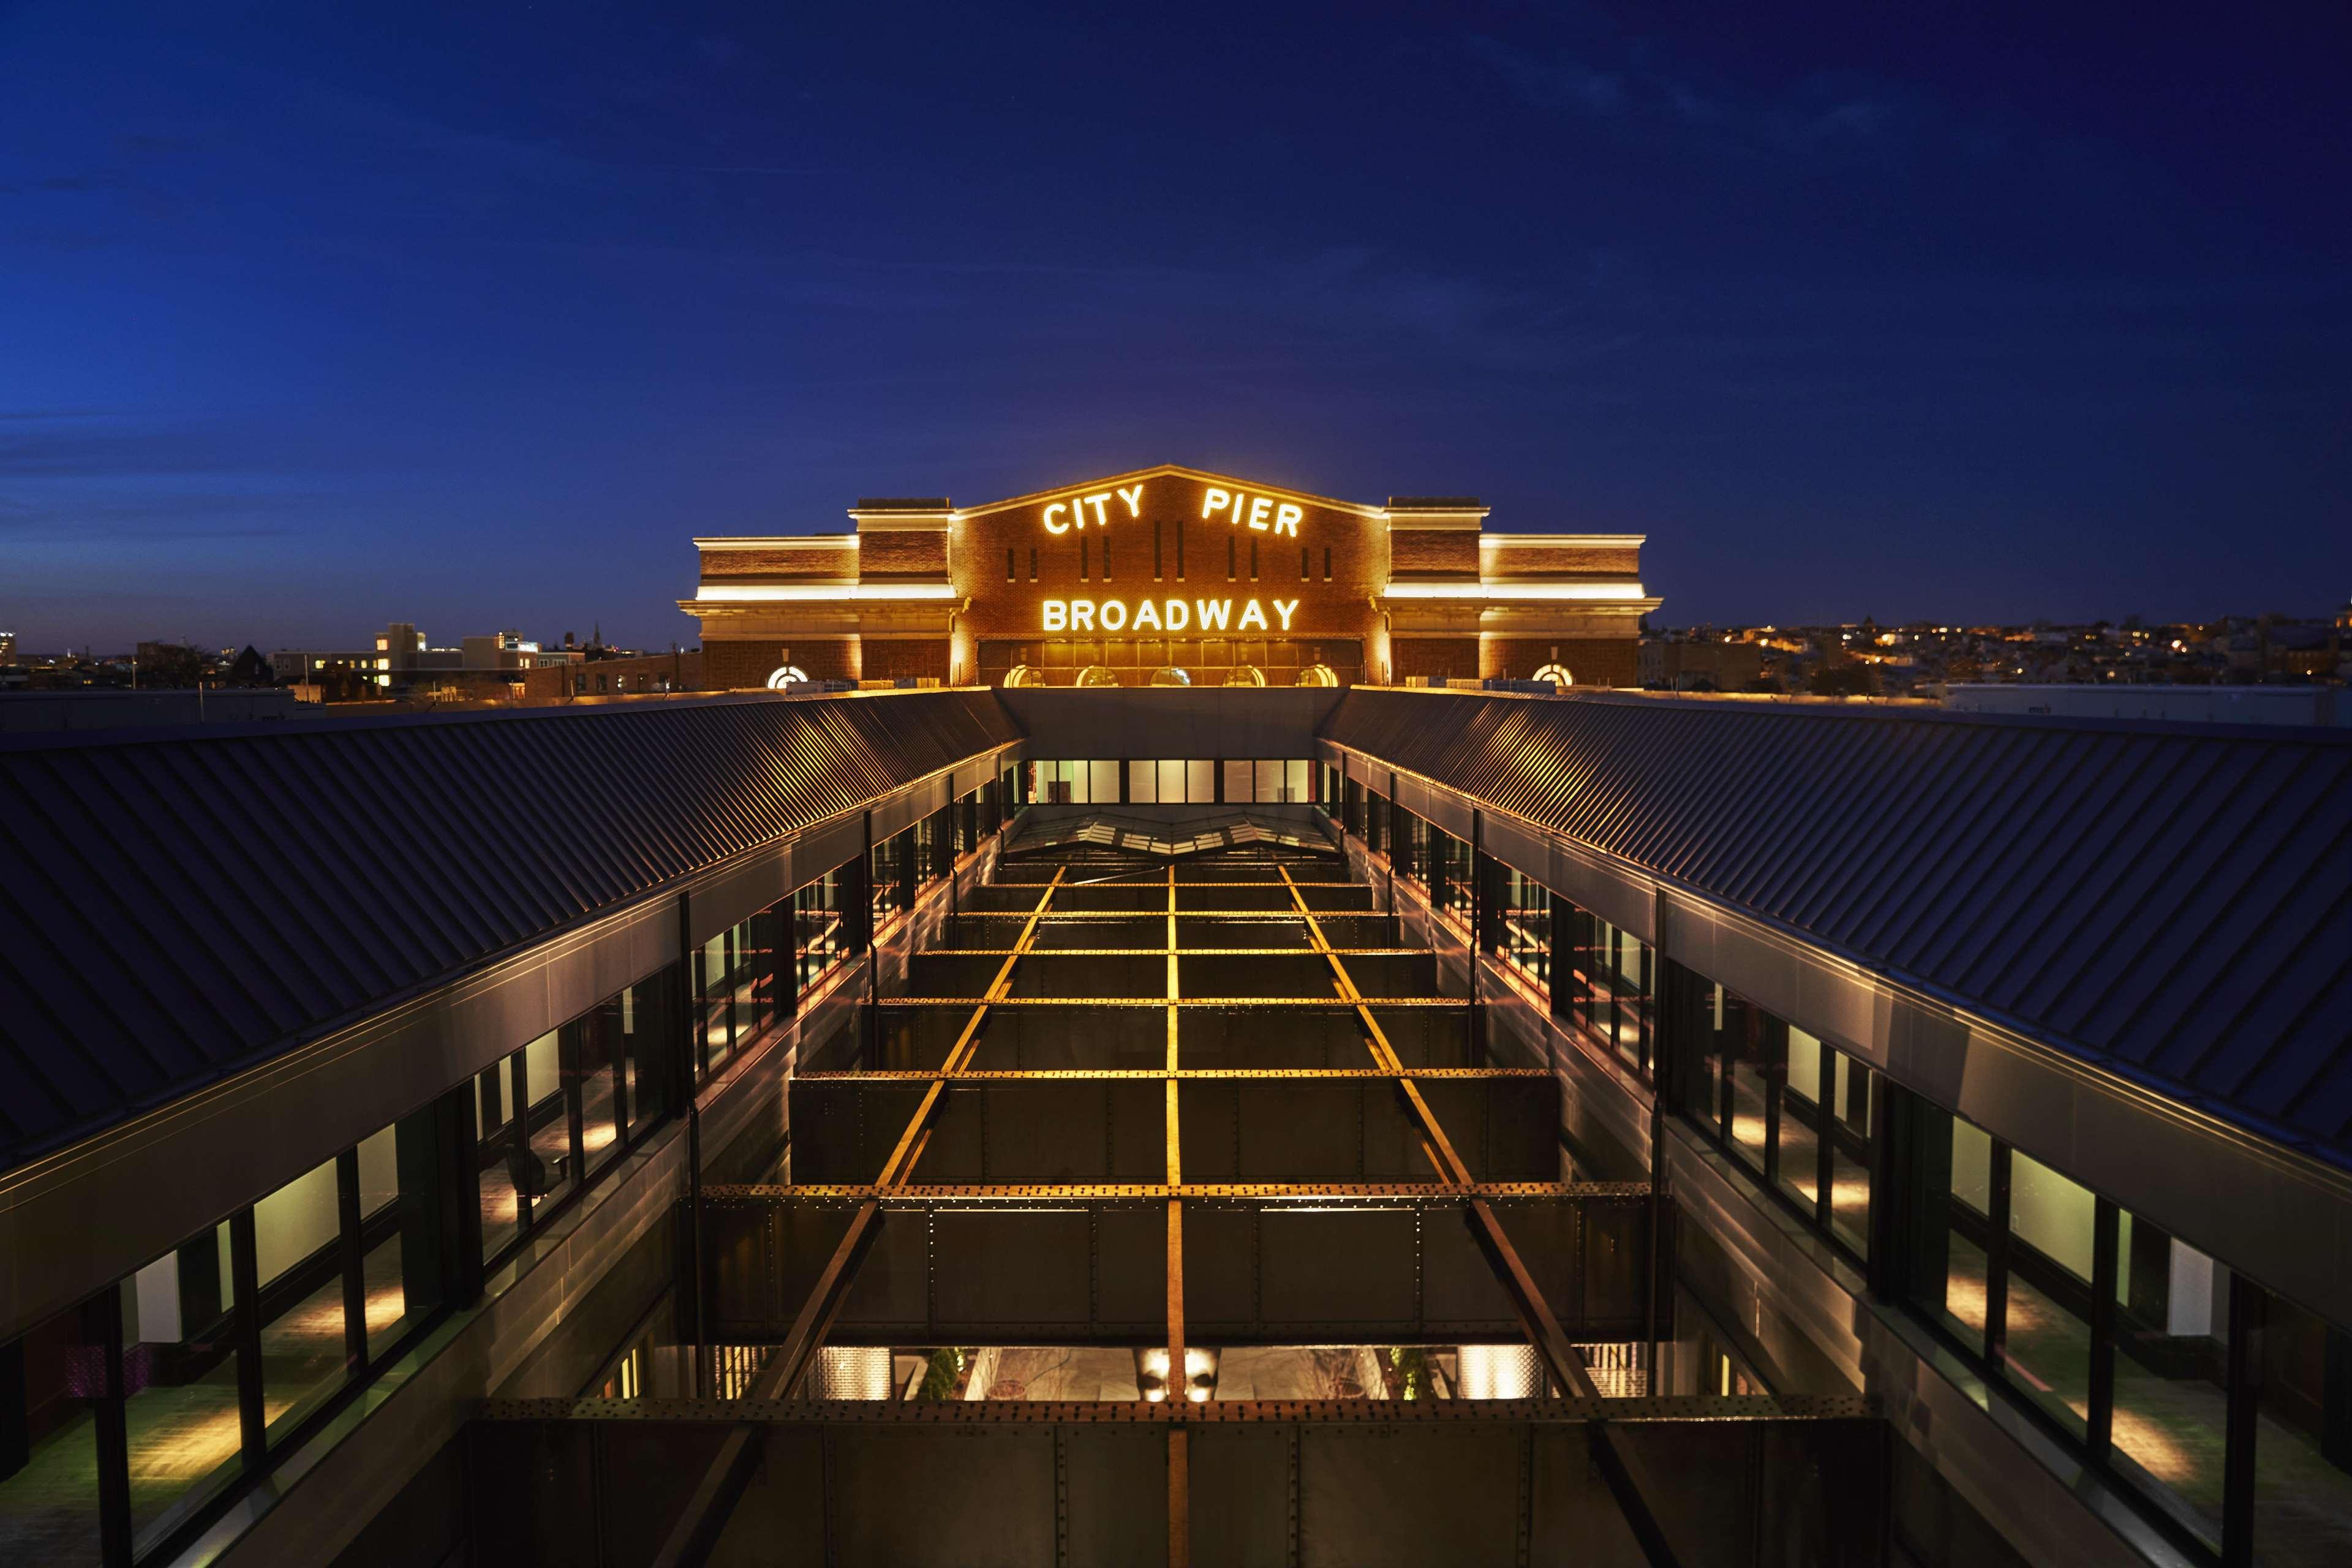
142, 962
2166, 895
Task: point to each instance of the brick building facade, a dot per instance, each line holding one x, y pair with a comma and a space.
1170, 568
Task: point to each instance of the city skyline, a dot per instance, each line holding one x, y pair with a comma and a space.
318, 322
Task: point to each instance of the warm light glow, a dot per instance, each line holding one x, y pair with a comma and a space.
786, 675
1497, 1372
791, 592
1162, 615
1261, 514
1060, 516
1500, 592
2153, 1448
1964, 1298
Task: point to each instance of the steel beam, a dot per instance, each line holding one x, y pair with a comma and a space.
1543, 1329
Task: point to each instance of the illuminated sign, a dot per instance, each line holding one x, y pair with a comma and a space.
1164, 614
1262, 513
1073, 512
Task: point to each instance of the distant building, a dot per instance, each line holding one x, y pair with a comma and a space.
7, 647
2322, 705
1700, 664
1171, 574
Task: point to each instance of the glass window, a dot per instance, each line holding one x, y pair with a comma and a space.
523, 1140
1852, 1133
1200, 781
306, 1339
1950, 1270
718, 988
1753, 1058
48, 1441
819, 940
1143, 782
2170, 1423
1798, 1165
182, 1413
883, 882
2302, 1437
1629, 995
401, 1272
1240, 783
2046, 1331
1796, 1110
636, 1025
593, 1090
1525, 935
1701, 1045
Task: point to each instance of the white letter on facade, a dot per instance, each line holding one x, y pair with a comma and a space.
1133, 496
1098, 500
1286, 519
1082, 615
1260, 508
1147, 615
1215, 614
1057, 615
1283, 608
1114, 615
1249, 612
1180, 614
1050, 526
1214, 501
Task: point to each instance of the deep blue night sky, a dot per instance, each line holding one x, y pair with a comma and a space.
314, 317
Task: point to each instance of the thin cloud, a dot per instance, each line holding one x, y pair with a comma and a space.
1823, 114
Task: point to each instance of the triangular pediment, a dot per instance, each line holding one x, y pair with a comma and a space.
1178, 472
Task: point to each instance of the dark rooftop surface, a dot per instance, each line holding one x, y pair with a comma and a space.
176, 905
2173, 900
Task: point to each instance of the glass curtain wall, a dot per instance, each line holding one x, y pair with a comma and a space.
1175, 781
1075, 783
1448, 877
2155, 1362
122, 1418
1802, 1116
1268, 782
890, 879
737, 979
553, 1116
1609, 983
820, 941
1409, 852
1521, 932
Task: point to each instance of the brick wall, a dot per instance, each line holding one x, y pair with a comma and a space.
1567, 563
733, 666
841, 563
1593, 661
1454, 658
888, 658
902, 555
1435, 552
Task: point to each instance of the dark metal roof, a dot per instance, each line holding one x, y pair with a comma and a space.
178, 904
2172, 899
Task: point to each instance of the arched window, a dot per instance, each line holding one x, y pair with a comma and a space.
786, 675
1558, 675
